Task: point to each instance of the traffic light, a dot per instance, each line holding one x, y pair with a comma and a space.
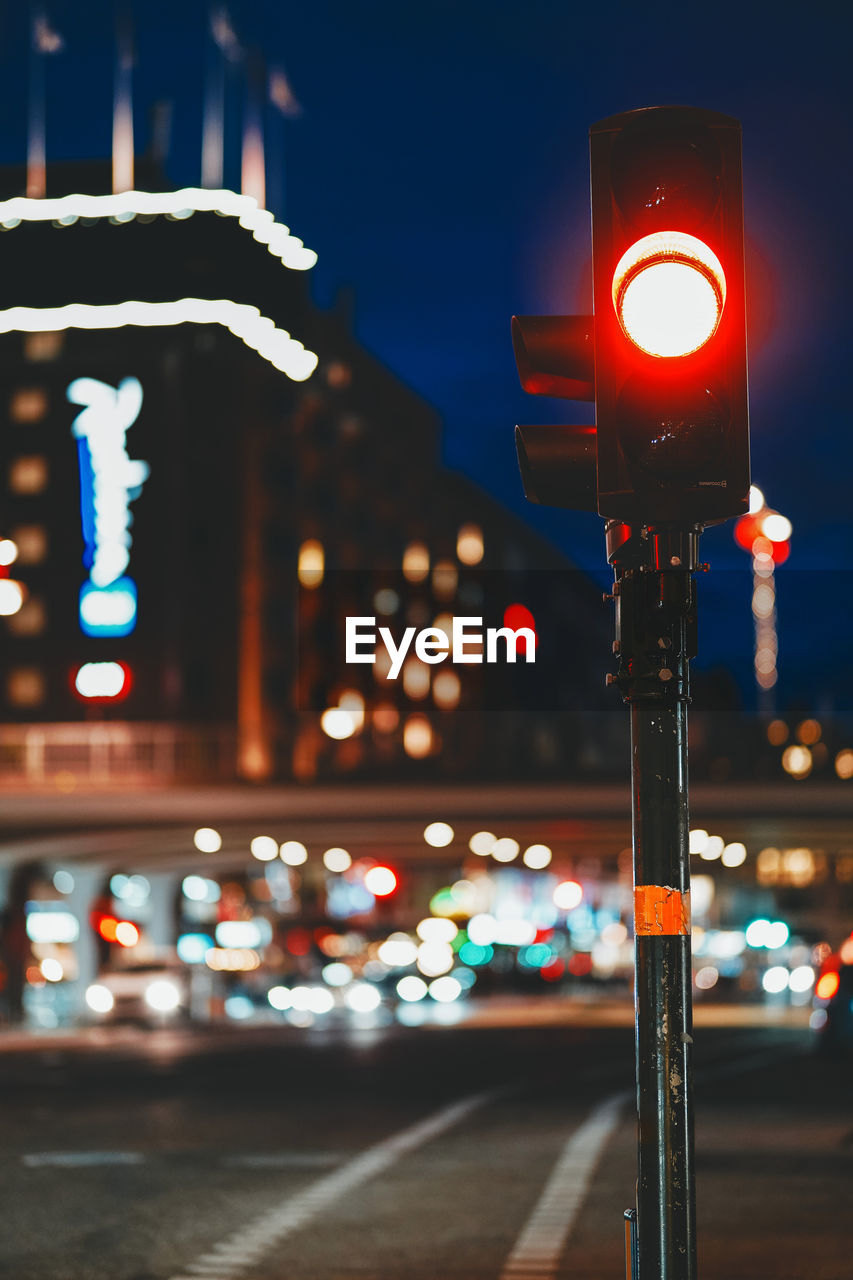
555, 357
671, 442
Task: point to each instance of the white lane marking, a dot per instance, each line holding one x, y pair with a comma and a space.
79, 1159
537, 1251
240, 1250
283, 1160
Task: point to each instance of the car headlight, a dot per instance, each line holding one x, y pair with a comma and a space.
162, 996
99, 998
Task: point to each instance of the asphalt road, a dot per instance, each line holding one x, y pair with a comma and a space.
485, 1152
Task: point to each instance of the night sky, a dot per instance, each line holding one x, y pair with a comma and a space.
440, 169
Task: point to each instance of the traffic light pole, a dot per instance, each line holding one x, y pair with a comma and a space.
654, 594
669, 453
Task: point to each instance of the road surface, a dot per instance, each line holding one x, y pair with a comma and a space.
492, 1151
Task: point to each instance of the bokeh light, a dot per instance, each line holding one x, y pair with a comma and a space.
438, 835
568, 895
536, 856
207, 840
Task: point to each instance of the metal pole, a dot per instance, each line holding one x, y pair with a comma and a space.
655, 632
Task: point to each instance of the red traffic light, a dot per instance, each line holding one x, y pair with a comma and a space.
664, 356
669, 290
670, 347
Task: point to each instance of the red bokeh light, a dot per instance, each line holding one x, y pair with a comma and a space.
298, 942
827, 985
111, 929
747, 529
107, 926
119, 696
517, 616
749, 534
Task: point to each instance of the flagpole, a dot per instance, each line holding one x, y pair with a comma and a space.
253, 174
283, 107
36, 146
123, 108
213, 125
276, 163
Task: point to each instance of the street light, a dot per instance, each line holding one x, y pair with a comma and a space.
766, 535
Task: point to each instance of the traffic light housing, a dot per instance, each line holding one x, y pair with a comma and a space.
671, 441
670, 334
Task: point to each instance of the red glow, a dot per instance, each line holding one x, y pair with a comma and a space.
580, 964
747, 529
90, 697
554, 970
124, 932
778, 552
750, 535
298, 942
517, 616
827, 985
107, 926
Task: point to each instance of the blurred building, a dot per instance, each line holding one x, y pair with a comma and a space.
193, 526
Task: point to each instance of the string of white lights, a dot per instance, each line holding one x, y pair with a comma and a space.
246, 322
126, 205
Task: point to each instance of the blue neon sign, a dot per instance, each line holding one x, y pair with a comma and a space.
109, 482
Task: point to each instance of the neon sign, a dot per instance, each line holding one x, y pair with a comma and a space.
109, 482
257, 331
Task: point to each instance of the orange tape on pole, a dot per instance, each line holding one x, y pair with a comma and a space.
660, 910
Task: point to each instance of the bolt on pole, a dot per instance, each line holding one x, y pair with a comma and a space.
655, 638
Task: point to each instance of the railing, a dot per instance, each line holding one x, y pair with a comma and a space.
119, 752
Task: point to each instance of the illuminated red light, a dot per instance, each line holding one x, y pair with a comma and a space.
750, 533
111, 929
669, 290
765, 532
102, 681
747, 529
827, 985
298, 942
517, 616
107, 927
